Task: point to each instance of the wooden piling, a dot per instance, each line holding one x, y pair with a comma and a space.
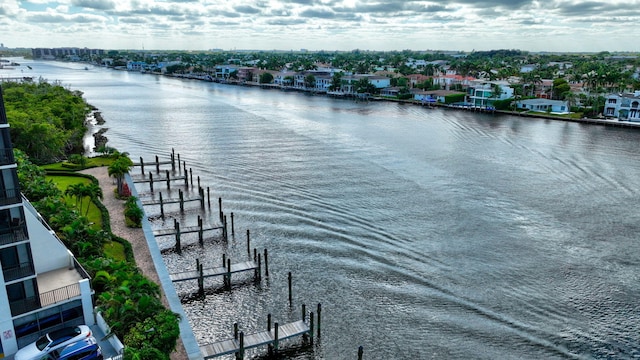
258, 271
161, 207
208, 197
248, 243
200, 232
141, 166
268, 322
191, 175
235, 331
276, 340
198, 181
220, 208
151, 181
224, 229
233, 230
179, 162
177, 227
157, 165
201, 193
201, 281
229, 274
304, 312
181, 196
186, 177
311, 327
319, 312
290, 294
224, 260
266, 264
360, 352
168, 181
173, 159
241, 352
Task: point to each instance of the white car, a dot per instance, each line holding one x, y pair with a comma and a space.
54, 340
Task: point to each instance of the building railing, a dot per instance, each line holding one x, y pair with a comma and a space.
59, 294
19, 307
6, 156
47, 298
13, 234
22, 270
10, 196
80, 269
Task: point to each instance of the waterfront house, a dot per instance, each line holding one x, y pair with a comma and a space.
544, 105
433, 96
624, 107
484, 93
42, 285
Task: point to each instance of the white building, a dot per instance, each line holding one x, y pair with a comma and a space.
42, 286
484, 93
544, 105
624, 107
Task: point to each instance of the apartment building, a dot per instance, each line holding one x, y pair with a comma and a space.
42, 286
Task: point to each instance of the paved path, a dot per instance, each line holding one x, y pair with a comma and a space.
133, 235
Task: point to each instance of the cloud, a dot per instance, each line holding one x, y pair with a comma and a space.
94, 4
246, 9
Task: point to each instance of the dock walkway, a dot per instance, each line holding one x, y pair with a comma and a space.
240, 342
218, 271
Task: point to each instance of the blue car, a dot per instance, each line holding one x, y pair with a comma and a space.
85, 349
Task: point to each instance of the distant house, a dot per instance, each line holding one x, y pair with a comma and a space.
624, 107
528, 68
390, 92
484, 93
544, 105
136, 65
433, 96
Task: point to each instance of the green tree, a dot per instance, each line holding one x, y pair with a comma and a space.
310, 81
336, 81
266, 78
560, 88
118, 169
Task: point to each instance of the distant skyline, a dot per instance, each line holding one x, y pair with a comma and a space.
555, 25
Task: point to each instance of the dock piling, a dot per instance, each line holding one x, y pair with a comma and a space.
168, 181
176, 225
290, 294
200, 232
161, 207
248, 243
311, 327
319, 312
360, 352
208, 197
141, 166
181, 196
151, 181
266, 264
233, 230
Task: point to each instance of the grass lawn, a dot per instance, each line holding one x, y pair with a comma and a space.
114, 250
63, 182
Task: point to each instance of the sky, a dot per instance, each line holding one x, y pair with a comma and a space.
380, 25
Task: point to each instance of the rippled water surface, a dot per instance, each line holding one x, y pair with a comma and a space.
423, 233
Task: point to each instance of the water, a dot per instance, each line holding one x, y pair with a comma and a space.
424, 233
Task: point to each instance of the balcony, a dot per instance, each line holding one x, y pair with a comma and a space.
20, 271
53, 287
13, 234
10, 196
6, 157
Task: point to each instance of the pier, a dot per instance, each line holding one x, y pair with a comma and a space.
271, 337
177, 232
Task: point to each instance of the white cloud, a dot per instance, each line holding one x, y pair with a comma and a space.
555, 25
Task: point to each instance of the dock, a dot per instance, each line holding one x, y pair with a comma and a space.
226, 270
271, 337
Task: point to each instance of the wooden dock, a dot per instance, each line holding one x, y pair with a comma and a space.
219, 271
271, 337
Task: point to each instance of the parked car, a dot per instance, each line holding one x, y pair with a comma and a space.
52, 341
85, 349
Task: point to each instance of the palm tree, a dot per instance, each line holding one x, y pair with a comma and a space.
118, 169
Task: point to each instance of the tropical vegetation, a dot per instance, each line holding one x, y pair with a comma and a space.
129, 301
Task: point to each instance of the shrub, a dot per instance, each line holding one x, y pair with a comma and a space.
132, 212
